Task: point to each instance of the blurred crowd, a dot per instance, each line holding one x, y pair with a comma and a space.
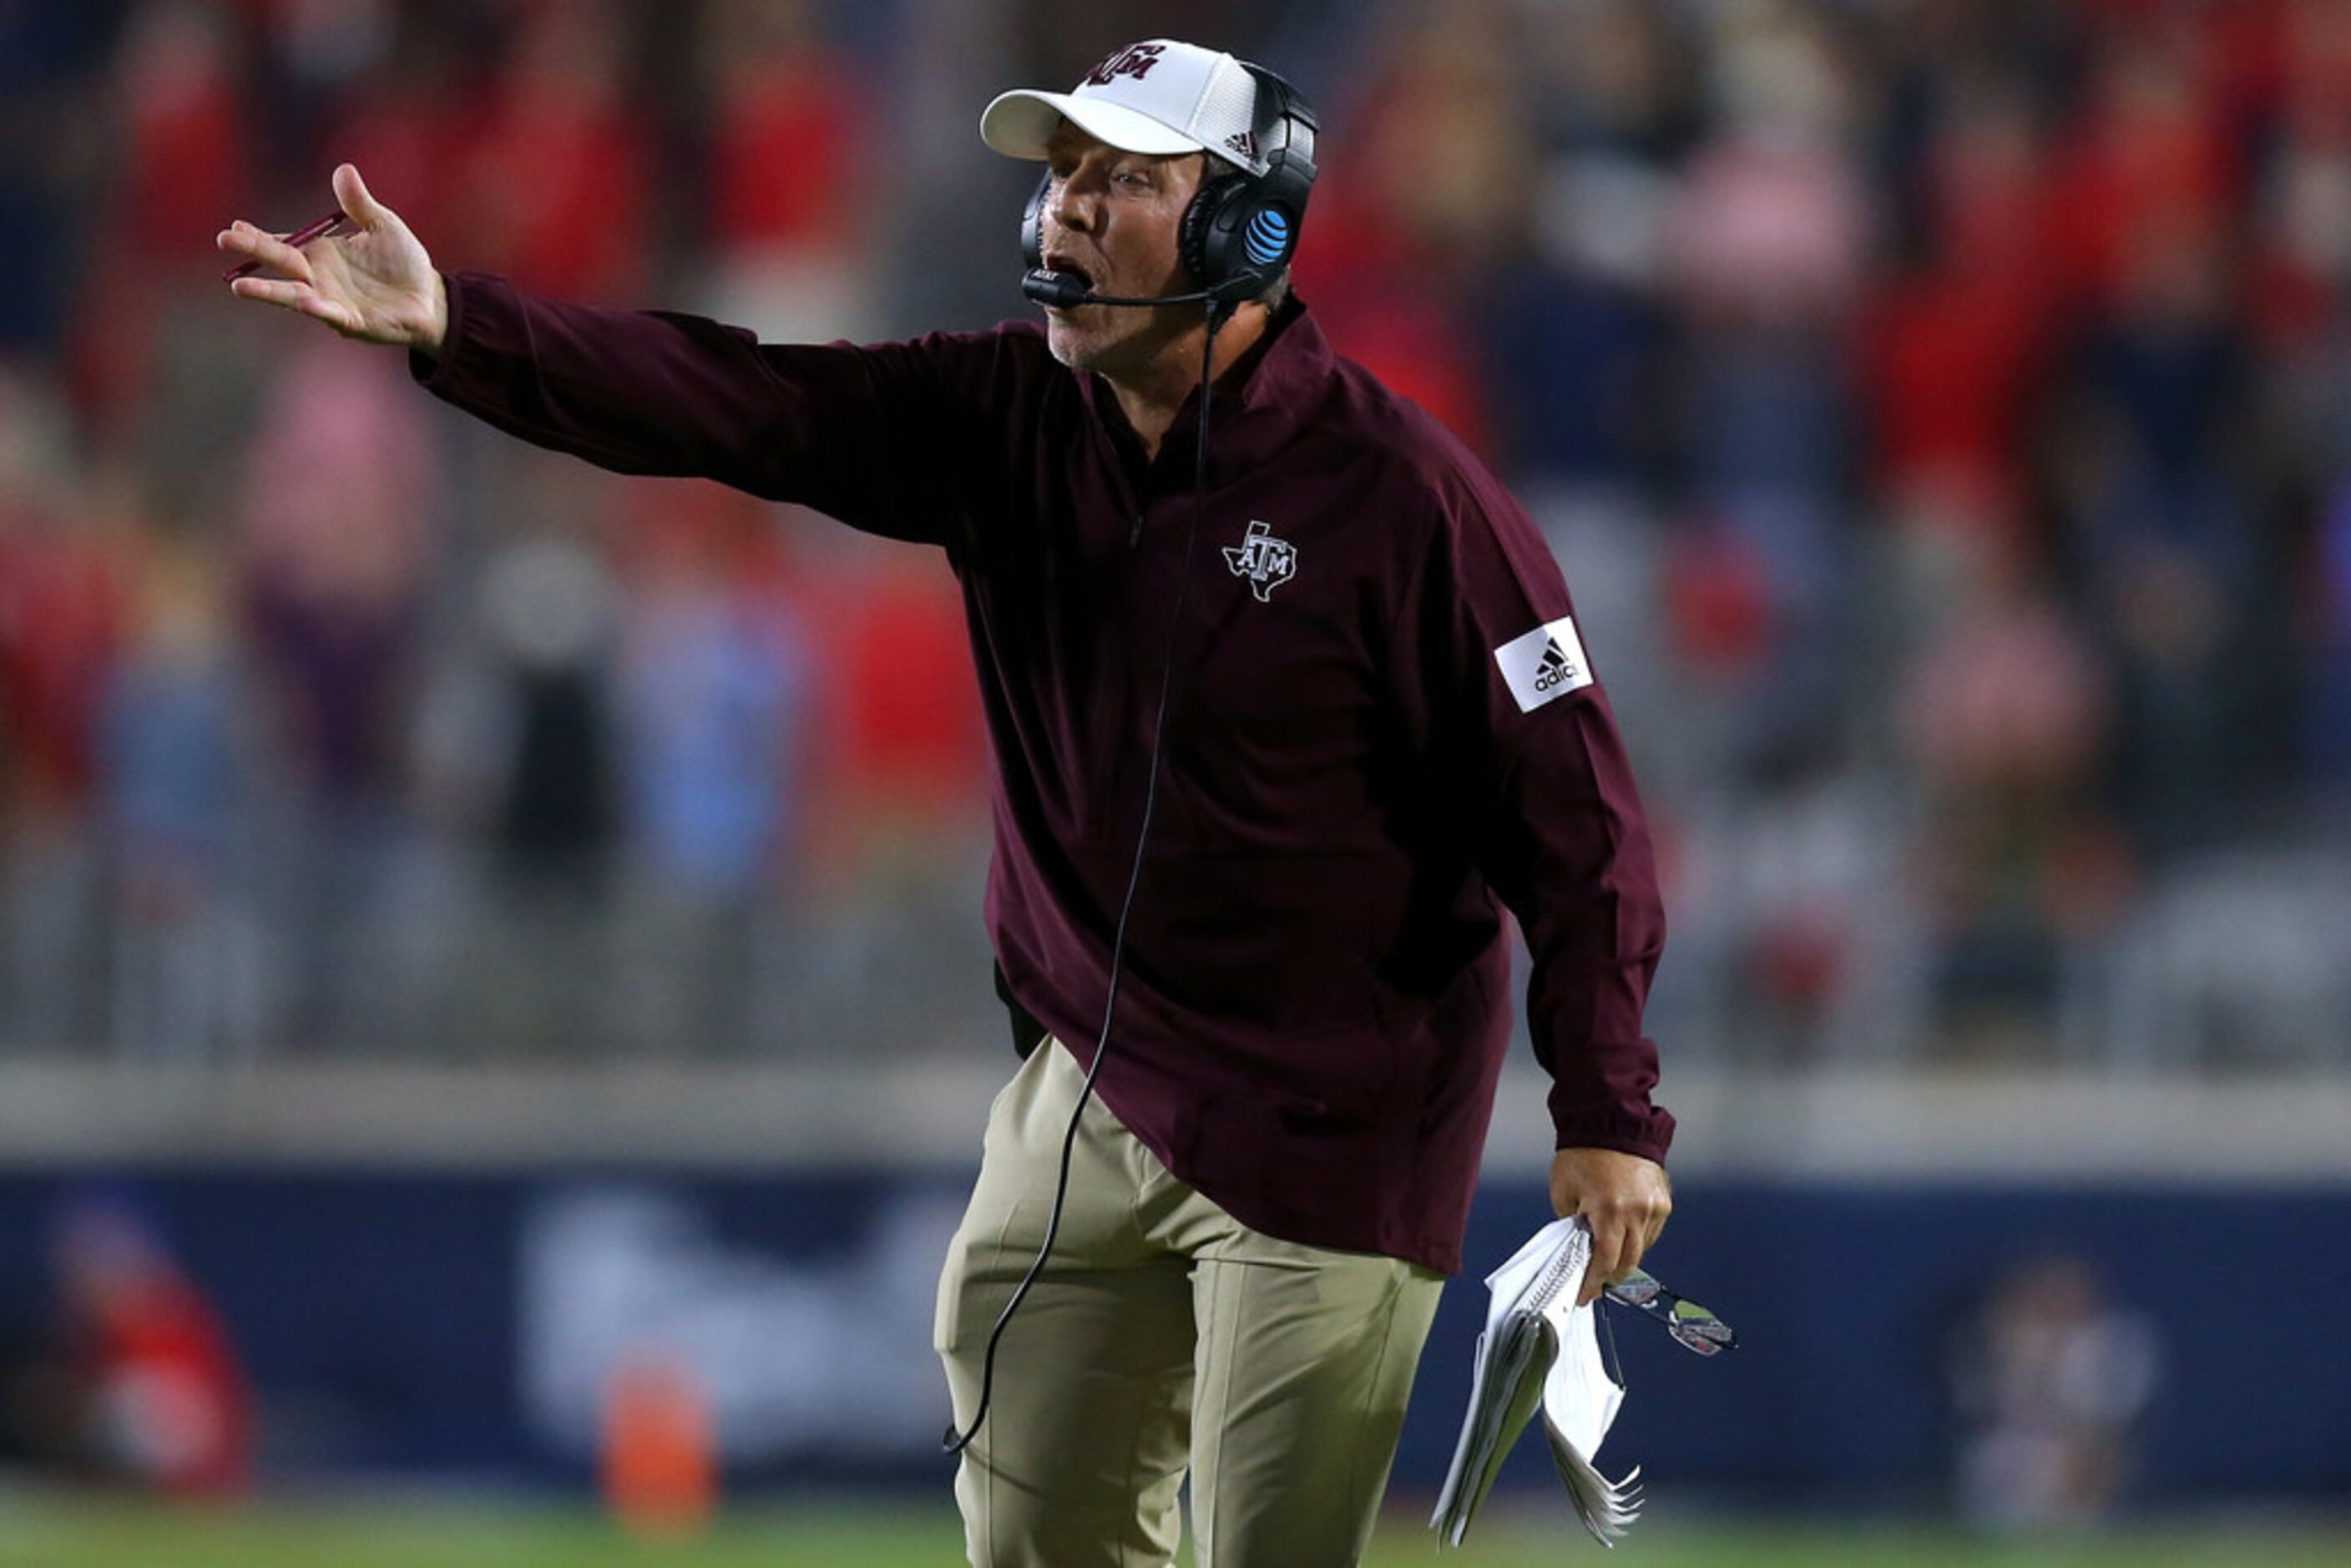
1942, 409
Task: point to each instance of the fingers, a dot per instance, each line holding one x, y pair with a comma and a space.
1623, 1199
1615, 1249
1618, 1245
1654, 1208
241, 238
299, 297
357, 202
273, 291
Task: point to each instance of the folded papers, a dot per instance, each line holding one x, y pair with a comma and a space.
1541, 1351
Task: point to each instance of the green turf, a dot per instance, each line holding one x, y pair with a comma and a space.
39, 1530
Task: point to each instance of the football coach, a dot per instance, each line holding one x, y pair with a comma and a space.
1287, 705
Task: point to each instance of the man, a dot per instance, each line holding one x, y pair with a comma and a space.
1354, 717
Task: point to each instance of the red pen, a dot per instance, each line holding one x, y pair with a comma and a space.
332, 223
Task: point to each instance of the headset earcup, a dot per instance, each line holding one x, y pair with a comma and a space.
1032, 225
1204, 240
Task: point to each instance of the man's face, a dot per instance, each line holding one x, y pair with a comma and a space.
1111, 217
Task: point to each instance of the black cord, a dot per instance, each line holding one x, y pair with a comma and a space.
953, 1441
1611, 1362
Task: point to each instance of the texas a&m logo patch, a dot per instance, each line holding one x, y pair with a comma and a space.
1262, 561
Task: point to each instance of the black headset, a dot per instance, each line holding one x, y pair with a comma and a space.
1240, 229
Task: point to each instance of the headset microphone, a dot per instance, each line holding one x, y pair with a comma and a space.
1065, 289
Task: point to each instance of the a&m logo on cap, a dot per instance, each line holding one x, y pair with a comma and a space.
1134, 60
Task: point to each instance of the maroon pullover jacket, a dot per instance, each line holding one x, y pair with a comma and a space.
1382, 729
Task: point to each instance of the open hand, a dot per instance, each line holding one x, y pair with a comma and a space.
371, 279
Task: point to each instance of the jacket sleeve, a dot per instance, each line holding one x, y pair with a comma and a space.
1525, 748
874, 436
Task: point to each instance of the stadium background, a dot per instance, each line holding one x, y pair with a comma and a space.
472, 927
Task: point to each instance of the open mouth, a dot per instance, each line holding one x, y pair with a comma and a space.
1070, 269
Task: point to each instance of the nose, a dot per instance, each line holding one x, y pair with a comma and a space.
1073, 205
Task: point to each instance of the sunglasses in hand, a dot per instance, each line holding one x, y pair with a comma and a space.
1690, 1324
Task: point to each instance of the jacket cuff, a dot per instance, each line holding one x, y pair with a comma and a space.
1633, 1128
431, 371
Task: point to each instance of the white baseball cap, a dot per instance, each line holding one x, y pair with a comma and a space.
1160, 97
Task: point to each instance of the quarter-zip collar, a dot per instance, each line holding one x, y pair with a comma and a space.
1279, 385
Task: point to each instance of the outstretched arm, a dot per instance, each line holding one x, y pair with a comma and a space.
374, 282
880, 437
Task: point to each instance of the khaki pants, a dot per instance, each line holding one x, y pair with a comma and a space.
1162, 1332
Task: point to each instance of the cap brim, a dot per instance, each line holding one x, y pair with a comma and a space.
1019, 123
